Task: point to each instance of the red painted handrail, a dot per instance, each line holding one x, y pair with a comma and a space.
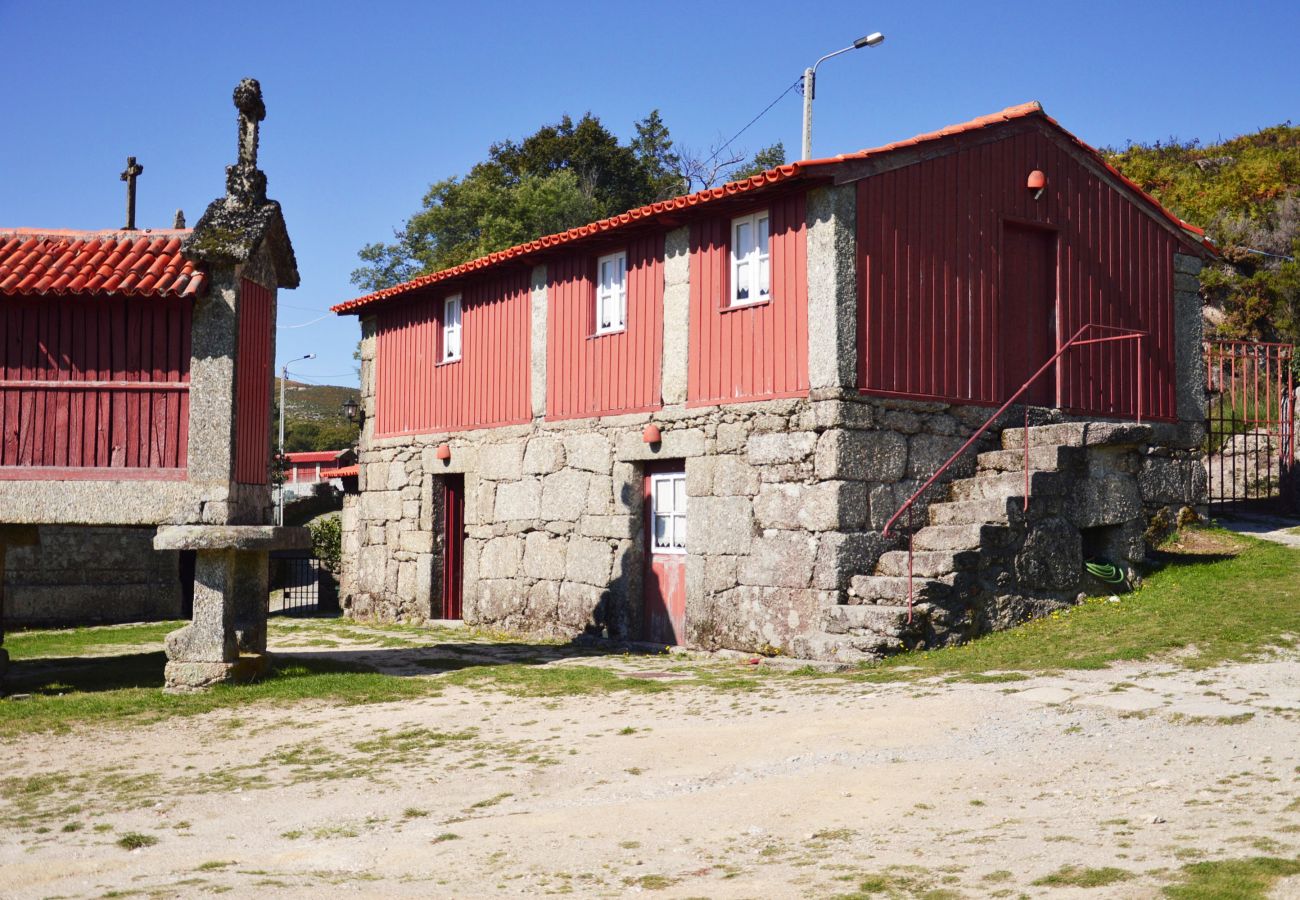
1126, 334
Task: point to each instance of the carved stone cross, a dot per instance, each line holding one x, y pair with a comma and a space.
132, 172
248, 100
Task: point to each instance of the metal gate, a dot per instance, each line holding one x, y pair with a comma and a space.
295, 584
1250, 452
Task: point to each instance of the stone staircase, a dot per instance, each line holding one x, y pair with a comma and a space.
959, 557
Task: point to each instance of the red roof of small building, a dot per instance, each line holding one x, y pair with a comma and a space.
314, 456
762, 180
42, 262
345, 472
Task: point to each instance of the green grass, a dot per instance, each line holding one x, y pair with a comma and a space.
1078, 876
1227, 608
134, 840
72, 642
1232, 879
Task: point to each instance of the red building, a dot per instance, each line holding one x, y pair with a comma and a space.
790, 356
311, 467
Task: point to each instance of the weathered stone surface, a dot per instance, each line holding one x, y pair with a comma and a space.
518, 500
861, 455
927, 452
381, 506
544, 555
832, 286
779, 559
733, 477
676, 444
1052, 556
677, 305
501, 462
590, 452
624, 526
1164, 480
720, 525
543, 456
564, 495
732, 436
185, 677
824, 506
417, 541
780, 447
842, 556
1106, 500
231, 537
589, 561
501, 557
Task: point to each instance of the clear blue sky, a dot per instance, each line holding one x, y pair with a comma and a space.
370, 102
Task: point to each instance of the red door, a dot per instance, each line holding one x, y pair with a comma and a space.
453, 545
665, 536
1027, 317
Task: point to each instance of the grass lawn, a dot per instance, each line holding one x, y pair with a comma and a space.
1217, 597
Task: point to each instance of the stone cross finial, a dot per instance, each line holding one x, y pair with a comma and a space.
179, 221
129, 176
248, 100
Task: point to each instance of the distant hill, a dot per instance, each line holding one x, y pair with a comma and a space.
1245, 191
315, 419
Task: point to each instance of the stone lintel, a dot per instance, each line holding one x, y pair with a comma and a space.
231, 537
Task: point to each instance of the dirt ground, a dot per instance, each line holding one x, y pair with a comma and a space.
794, 788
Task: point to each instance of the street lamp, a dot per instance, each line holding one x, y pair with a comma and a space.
284, 376
810, 85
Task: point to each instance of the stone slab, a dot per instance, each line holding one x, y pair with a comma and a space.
1124, 701
188, 677
231, 537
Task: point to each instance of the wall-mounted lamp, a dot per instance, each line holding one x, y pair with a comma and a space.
443, 453
1037, 182
650, 434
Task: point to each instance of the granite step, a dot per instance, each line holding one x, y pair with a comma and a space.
892, 589
889, 622
841, 648
957, 537
1077, 434
927, 563
971, 512
1052, 458
1005, 485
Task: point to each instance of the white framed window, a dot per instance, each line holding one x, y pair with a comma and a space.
668, 512
751, 268
611, 293
451, 328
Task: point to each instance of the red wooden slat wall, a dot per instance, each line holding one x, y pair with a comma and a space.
751, 352
589, 374
489, 385
929, 241
94, 387
253, 385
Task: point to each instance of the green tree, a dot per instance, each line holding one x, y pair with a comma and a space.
767, 158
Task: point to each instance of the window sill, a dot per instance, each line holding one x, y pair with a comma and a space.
448, 362
749, 304
610, 333
667, 551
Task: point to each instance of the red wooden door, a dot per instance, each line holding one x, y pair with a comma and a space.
665, 536
453, 545
1027, 316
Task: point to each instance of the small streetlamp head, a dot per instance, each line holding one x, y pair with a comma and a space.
869, 41
350, 409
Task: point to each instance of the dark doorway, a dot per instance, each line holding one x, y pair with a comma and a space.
1027, 313
453, 545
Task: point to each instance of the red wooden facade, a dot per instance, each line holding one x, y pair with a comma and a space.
416, 391
967, 282
757, 351
94, 387
590, 374
253, 385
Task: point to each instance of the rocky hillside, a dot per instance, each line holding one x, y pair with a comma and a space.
315, 419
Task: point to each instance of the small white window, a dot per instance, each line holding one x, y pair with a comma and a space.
611, 293
668, 512
451, 328
751, 280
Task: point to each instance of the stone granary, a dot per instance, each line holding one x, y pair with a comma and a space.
693, 422
135, 394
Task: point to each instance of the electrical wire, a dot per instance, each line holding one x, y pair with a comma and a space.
798, 81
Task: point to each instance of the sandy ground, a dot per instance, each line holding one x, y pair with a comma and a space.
794, 789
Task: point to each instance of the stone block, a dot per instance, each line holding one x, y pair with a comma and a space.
1052, 556
416, 541
381, 506
398, 477
501, 462
780, 447
564, 495
861, 455
501, 557
589, 561
779, 559
600, 494
677, 443
1109, 499
589, 452
578, 605
927, 452
732, 437
841, 556
719, 525
544, 555
543, 456
733, 477
624, 526
518, 500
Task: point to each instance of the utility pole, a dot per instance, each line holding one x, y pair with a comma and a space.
284, 376
810, 85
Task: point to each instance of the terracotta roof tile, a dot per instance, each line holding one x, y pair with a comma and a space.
75, 263
345, 472
756, 182
314, 456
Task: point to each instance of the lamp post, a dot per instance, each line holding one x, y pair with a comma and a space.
284, 376
810, 85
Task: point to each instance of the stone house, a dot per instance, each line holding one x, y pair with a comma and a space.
693, 423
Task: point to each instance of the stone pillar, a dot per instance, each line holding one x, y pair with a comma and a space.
832, 288
1189, 351
537, 352
677, 315
215, 333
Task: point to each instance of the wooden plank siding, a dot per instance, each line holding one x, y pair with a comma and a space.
417, 393
253, 385
753, 352
94, 387
589, 374
931, 275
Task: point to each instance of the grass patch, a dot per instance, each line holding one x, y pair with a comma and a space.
134, 840
1080, 876
444, 837
1215, 607
66, 642
1238, 879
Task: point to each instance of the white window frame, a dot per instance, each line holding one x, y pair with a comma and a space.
452, 331
674, 515
757, 261
614, 300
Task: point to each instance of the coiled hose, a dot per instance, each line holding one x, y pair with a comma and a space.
1104, 571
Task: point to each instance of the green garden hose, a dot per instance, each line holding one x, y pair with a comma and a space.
1104, 571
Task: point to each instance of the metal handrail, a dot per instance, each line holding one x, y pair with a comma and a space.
1126, 334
